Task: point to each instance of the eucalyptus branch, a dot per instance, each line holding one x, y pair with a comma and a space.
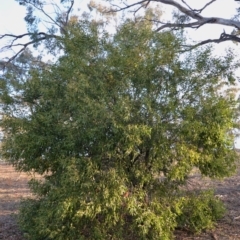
68, 11
205, 6
187, 5
128, 6
223, 38
40, 8
199, 10
39, 37
176, 26
197, 20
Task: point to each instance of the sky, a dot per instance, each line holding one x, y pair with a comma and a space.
12, 21
11, 17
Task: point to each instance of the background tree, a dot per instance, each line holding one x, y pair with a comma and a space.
115, 127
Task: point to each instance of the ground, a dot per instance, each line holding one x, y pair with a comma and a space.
13, 187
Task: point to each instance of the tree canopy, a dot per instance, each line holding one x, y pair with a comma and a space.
115, 128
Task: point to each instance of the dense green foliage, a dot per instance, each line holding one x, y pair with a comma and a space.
199, 211
115, 128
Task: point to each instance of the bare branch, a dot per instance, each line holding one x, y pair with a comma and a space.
192, 13
35, 36
176, 26
41, 36
223, 38
197, 20
206, 5
68, 11
14, 36
182, 9
187, 5
56, 7
128, 6
199, 10
40, 8
202, 20
135, 11
60, 24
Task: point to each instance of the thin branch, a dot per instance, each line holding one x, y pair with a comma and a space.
223, 38
187, 5
22, 49
140, 7
41, 36
47, 15
68, 12
15, 36
200, 18
206, 5
199, 10
182, 9
55, 7
146, 5
119, 9
194, 14
136, 10
175, 26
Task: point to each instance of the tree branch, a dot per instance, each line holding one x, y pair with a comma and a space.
199, 10
40, 8
193, 14
176, 26
205, 6
68, 11
182, 9
128, 6
223, 38
59, 20
39, 37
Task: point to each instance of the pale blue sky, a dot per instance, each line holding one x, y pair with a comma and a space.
11, 17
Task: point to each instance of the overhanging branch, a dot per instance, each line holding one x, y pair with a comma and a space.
59, 20
39, 37
223, 38
196, 21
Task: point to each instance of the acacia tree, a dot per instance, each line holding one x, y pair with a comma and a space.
115, 127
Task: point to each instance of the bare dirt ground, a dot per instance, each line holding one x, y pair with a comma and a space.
13, 187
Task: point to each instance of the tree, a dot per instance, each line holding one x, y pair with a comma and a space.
115, 127
186, 16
